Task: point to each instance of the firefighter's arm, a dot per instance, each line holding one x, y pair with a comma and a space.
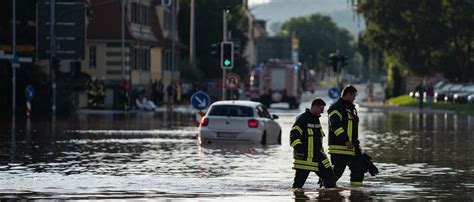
295, 140
335, 117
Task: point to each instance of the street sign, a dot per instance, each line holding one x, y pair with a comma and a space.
14, 59
333, 93
232, 81
29, 92
199, 117
200, 100
70, 29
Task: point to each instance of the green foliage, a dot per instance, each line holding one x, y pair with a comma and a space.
424, 37
319, 36
27, 74
406, 100
33, 74
208, 24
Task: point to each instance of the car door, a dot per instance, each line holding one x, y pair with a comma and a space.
271, 126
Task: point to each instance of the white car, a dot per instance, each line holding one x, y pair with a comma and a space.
239, 121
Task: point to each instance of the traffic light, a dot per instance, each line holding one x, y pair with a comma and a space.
227, 55
333, 61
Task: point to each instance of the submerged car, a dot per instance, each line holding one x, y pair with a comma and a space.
239, 121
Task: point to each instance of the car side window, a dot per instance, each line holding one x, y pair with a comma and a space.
263, 112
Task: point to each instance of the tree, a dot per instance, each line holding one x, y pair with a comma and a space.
424, 37
319, 36
208, 23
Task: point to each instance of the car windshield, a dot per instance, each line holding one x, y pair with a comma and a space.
231, 110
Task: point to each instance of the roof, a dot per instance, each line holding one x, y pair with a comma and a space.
238, 102
106, 24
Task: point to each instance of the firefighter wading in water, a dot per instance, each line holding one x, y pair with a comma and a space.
344, 145
306, 139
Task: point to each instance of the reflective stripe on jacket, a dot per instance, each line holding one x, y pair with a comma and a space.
343, 126
307, 135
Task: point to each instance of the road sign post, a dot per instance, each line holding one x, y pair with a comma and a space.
29, 93
199, 116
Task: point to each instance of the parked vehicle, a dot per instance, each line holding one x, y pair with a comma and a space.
239, 121
470, 99
449, 96
276, 81
440, 93
462, 96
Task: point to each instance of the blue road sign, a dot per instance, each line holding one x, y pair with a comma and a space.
29, 91
15, 59
200, 100
333, 93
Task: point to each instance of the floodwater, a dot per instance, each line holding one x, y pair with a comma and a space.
146, 156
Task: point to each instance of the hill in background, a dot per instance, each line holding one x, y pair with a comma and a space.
278, 11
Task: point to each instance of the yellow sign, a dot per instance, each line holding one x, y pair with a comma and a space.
19, 48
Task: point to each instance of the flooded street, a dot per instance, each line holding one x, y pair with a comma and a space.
142, 155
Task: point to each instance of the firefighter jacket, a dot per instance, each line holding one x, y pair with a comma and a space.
306, 137
343, 127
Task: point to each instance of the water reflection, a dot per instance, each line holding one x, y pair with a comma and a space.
335, 194
420, 155
429, 150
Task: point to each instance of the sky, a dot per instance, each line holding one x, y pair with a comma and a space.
278, 11
257, 2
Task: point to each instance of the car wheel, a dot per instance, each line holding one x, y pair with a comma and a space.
279, 138
264, 138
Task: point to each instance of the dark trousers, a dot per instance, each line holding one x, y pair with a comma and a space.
355, 163
326, 174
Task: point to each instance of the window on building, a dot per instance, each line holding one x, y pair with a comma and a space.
92, 57
147, 59
167, 20
140, 14
167, 60
134, 13
136, 58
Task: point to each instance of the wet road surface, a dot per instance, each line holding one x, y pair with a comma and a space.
146, 156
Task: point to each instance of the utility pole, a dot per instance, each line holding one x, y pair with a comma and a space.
13, 64
52, 53
123, 37
173, 27
224, 39
192, 40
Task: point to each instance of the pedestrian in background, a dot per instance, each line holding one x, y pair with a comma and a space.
178, 93
124, 89
429, 95
420, 89
91, 93
159, 92
101, 93
170, 90
306, 138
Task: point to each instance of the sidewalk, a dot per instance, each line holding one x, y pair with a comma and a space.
382, 106
179, 109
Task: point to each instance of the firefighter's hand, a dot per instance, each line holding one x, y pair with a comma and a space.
298, 152
349, 145
299, 156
